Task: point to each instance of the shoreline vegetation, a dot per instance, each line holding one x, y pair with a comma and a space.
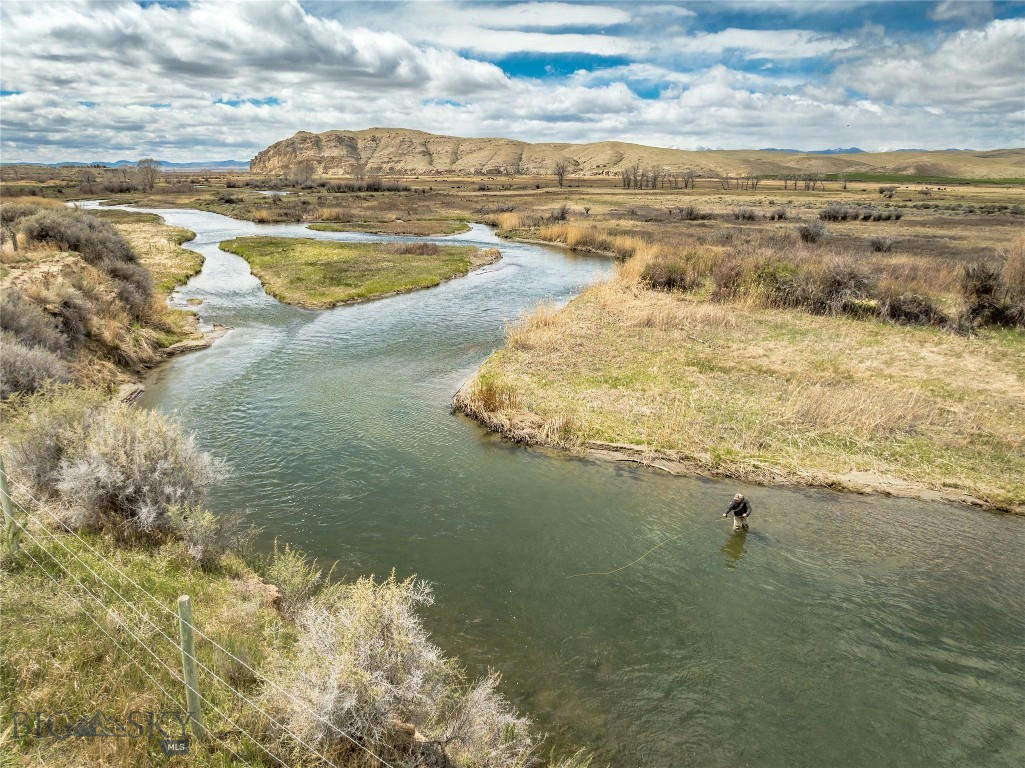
775, 360
318, 274
115, 494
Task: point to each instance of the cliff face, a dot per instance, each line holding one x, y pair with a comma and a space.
403, 152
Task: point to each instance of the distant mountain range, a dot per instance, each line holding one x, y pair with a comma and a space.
838, 151
199, 165
405, 152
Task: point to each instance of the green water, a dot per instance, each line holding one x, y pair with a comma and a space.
841, 631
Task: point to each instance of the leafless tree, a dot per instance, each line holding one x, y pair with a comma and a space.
301, 173
560, 171
147, 171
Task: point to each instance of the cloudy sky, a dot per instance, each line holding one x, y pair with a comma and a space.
207, 79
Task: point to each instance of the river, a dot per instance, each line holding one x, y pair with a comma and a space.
843, 630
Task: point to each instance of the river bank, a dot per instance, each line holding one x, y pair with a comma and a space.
762, 395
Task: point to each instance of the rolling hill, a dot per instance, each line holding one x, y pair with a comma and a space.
405, 152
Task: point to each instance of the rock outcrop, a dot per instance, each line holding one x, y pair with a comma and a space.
404, 152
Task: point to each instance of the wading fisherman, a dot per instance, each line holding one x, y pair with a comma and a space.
741, 509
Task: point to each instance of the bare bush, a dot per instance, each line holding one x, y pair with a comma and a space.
559, 170
46, 429
692, 213
838, 286
135, 467
911, 308
28, 323
296, 575
481, 728
96, 240
669, 274
880, 244
812, 231
207, 535
27, 369
364, 663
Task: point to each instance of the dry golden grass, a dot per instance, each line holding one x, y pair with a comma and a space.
769, 395
158, 247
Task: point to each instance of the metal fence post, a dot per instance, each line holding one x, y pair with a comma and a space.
189, 667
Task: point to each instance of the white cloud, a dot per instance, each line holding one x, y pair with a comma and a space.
981, 70
289, 69
526, 15
764, 43
964, 11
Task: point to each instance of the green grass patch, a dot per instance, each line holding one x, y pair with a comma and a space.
416, 227
56, 659
315, 273
905, 178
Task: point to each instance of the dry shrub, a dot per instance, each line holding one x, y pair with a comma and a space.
508, 221
133, 469
989, 299
839, 287
100, 245
119, 468
45, 429
417, 249
692, 213
912, 309
206, 535
334, 214
675, 273
27, 323
880, 244
297, 577
27, 368
364, 663
71, 230
812, 231
745, 214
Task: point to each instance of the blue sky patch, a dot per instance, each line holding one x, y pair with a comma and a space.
270, 101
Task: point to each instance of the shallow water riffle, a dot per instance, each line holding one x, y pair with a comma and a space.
842, 630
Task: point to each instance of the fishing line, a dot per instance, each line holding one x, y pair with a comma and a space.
633, 562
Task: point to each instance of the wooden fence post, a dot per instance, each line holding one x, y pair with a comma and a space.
11, 530
189, 668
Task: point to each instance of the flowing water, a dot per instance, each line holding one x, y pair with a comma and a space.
841, 630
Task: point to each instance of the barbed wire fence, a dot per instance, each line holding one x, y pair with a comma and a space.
106, 599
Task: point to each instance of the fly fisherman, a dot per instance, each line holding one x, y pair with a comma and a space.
741, 509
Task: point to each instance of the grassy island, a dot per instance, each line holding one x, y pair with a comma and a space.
317, 273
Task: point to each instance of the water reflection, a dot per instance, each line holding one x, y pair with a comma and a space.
734, 547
